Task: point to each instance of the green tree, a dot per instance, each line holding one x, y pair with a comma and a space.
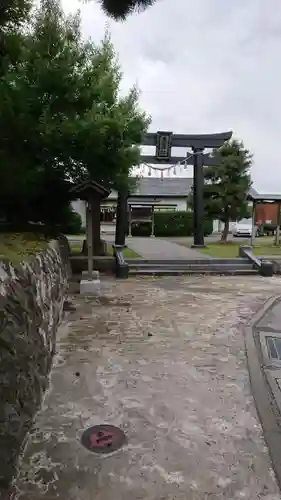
14, 12
227, 184
13, 15
111, 128
36, 98
62, 118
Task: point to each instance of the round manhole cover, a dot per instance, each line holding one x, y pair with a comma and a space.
103, 438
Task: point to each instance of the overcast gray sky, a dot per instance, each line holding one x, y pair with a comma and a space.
205, 66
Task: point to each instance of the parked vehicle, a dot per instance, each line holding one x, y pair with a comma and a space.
244, 228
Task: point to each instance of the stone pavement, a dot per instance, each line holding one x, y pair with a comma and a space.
153, 248
164, 360
158, 248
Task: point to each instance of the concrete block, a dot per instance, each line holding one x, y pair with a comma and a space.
266, 268
95, 275
243, 249
89, 287
122, 271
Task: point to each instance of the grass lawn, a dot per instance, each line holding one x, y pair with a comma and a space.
76, 247
18, 247
231, 249
128, 253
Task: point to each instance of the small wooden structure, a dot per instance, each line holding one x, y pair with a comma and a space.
148, 213
93, 194
274, 199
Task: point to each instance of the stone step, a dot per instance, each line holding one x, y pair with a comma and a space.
171, 272
202, 266
240, 261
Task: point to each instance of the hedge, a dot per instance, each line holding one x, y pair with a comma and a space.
73, 224
170, 224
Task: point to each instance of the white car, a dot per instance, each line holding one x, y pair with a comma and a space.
244, 228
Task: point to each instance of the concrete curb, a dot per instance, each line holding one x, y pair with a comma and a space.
266, 405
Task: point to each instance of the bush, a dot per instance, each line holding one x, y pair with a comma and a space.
170, 224
73, 224
141, 228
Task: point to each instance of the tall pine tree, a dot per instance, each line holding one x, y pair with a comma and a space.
227, 184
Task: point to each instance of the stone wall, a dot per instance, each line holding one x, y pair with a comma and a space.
32, 297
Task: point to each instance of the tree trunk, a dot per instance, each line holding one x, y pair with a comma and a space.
121, 216
225, 232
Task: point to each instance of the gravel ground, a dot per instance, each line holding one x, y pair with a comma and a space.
164, 360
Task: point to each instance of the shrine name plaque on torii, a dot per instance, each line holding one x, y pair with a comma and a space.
165, 141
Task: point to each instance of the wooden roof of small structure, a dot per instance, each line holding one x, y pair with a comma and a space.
89, 189
265, 198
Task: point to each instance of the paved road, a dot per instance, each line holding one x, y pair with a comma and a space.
164, 360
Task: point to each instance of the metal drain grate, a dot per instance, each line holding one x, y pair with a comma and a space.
103, 439
274, 348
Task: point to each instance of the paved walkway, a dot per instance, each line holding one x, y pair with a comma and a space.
154, 248
164, 360
157, 248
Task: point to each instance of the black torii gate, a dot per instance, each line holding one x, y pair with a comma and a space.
164, 142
